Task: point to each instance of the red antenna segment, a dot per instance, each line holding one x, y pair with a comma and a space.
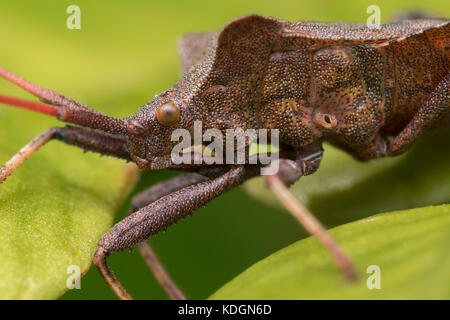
35, 106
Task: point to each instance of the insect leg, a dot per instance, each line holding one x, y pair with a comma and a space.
159, 215
435, 109
145, 198
82, 137
24, 153
278, 184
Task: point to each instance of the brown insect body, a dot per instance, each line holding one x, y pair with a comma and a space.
345, 83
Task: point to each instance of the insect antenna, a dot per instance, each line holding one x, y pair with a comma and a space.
30, 105
65, 109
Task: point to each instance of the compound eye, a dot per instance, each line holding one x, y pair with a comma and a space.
168, 114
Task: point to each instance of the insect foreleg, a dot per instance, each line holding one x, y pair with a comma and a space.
152, 194
85, 138
159, 215
145, 198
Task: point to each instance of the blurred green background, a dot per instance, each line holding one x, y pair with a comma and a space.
124, 54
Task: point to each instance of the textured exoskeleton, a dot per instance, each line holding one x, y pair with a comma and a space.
370, 91
346, 83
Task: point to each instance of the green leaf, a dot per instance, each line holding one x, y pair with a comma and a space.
135, 60
410, 247
406, 245
53, 209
